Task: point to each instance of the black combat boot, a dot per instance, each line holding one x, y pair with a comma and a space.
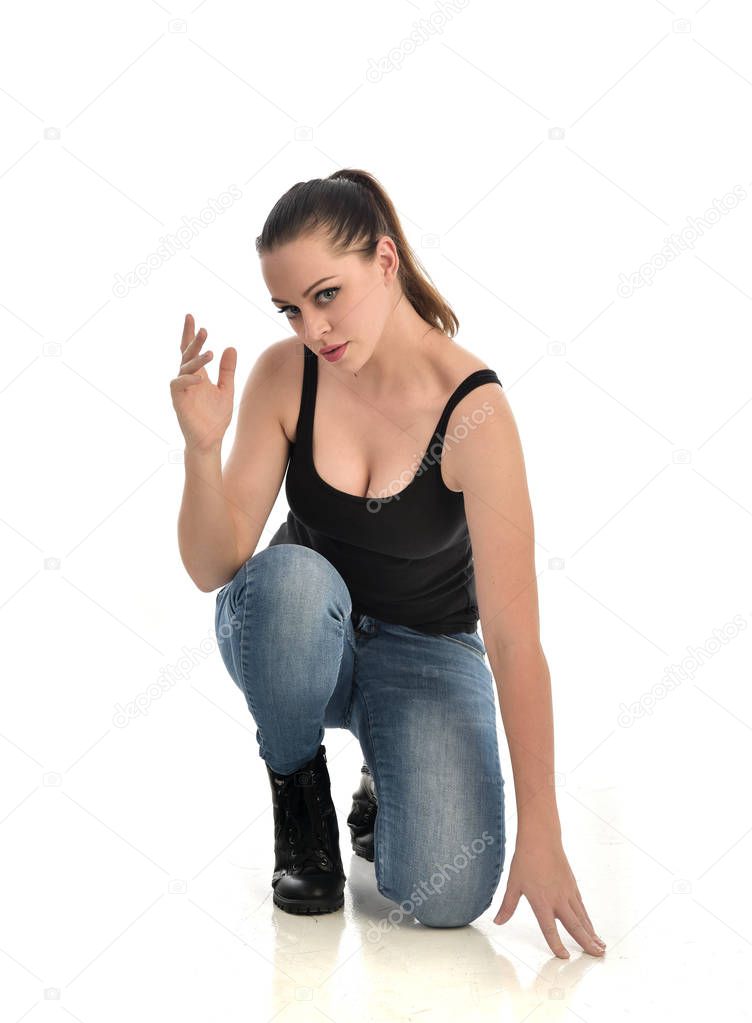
363, 815
308, 875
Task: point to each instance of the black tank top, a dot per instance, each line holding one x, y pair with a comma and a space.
406, 558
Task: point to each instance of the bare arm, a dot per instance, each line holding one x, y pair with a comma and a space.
206, 530
224, 511
256, 466
491, 471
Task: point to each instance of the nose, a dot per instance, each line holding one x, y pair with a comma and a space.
315, 329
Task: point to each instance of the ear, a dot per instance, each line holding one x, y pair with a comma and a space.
387, 257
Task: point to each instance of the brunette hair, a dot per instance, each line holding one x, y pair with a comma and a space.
352, 208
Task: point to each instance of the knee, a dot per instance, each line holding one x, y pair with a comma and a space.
454, 892
453, 912
434, 906
292, 578
293, 567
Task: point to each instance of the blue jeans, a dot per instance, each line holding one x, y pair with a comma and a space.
422, 707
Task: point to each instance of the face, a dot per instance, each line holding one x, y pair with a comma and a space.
329, 300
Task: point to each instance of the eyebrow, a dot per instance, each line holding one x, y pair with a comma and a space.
309, 288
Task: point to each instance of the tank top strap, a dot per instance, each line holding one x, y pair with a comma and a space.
475, 379
304, 429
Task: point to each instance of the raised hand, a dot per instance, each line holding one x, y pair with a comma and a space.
204, 409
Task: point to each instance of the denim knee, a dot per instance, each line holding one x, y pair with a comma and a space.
452, 895
291, 577
454, 912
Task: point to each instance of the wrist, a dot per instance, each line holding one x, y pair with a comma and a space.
538, 817
537, 831
202, 451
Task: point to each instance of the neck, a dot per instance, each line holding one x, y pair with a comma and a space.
402, 355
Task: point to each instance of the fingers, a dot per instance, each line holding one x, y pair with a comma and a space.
193, 364
194, 360
190, 343
227, 364
194, 346
579, 909
582, 934
583, 914
548, 925
188, 335
578, 906
508, 905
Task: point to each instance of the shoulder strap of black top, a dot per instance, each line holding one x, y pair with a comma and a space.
480, 376
307, 398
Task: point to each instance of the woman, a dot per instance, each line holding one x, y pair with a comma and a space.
362, 611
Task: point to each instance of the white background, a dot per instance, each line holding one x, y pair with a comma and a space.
539, 155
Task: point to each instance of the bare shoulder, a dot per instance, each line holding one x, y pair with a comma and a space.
291, 361
484, 400
459, 362
276, 378
279, 355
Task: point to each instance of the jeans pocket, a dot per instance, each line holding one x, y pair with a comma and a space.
471, 640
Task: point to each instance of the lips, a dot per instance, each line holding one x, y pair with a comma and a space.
331, 348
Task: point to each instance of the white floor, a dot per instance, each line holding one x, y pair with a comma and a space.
146, 895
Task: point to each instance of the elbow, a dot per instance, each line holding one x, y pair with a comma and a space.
203, 583
202, 577
204, 588
207, 585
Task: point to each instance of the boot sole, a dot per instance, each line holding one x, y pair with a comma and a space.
366, 851
291, 906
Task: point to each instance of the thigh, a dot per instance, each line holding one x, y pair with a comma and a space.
424, 710
285, 616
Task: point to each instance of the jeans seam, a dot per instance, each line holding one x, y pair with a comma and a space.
349, 707
242, 626
337, 672
374, 768
241, 644
501, 830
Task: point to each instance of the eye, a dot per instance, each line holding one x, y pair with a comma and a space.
324, 291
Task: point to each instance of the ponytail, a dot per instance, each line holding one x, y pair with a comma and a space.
352, 208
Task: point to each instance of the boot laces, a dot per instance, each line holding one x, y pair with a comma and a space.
302, 820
